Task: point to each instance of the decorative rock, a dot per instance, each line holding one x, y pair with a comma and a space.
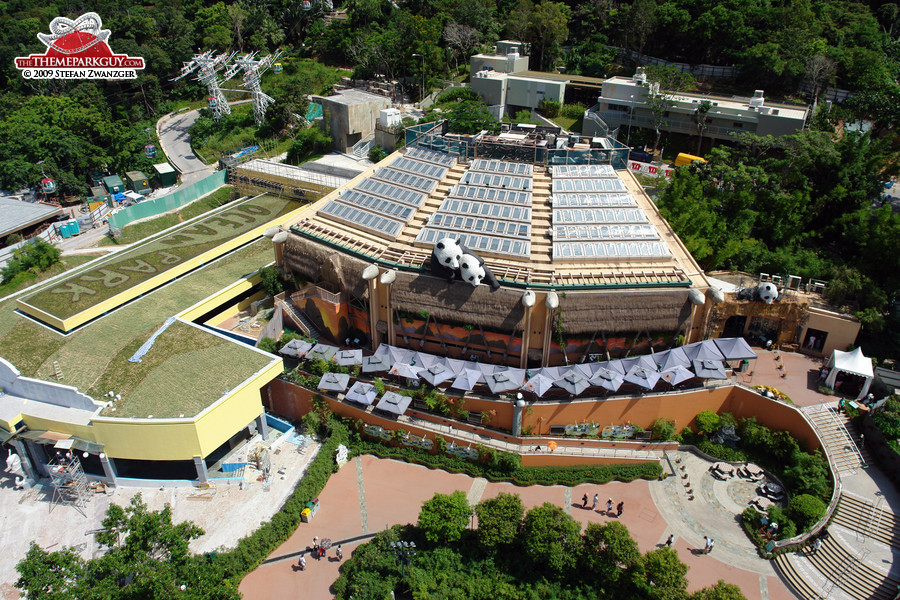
280, 237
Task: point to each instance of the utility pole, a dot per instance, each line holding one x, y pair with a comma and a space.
422, 56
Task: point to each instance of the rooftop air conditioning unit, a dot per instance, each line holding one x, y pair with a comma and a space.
757, 100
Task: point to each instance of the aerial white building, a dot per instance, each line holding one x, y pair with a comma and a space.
623, 102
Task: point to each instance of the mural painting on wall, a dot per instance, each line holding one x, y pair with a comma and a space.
339, 321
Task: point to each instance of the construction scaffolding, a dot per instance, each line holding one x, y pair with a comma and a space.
70, 486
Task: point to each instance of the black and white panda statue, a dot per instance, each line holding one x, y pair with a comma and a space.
473, 270
445, 257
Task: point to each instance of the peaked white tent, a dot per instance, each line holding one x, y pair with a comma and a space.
850, 362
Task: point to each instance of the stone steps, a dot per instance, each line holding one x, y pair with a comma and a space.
794, 579
836, 437
876, 522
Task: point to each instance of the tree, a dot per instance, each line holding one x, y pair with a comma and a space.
707, 421
550, 538
548, 27
146, 555
720, 591
461, 39
665, 82
470, 117
609, 550
270, 280
702, 121
444, 518
819, 71
34, 257
660, 575
499, 520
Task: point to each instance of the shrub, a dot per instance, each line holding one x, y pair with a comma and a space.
457, 94
549, 108
707, 421
377, 154
573, 111
523, 116
38, 256
663, 429
721, 451
267, 344
805, 511
271, 281
309, 141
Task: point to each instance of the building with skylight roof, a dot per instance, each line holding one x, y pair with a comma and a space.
573, 226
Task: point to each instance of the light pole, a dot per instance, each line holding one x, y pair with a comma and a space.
630, 117
404, 551
422, 56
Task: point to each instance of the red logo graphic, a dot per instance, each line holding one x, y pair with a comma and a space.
78, 50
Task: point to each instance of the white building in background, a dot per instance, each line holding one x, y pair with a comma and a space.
623, 101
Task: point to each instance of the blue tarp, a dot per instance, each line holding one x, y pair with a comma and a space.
232, 467
149, 343
119, 197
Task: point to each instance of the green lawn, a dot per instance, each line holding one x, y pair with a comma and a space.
126, 269
138, 231
569, 124
180, 375
87, 354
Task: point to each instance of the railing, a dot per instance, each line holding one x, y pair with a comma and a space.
362, 147
314, 291
622, 118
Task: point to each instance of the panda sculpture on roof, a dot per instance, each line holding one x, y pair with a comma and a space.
451, 259
445, 257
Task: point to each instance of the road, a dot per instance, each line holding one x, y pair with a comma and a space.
176, 143
172, 131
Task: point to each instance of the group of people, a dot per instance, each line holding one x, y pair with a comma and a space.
609, 505
319, 552
708, 544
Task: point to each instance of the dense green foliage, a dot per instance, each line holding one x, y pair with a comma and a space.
888, 420
270, 280
805, 474
141, 547
542, 554
798, 204
35, 257
444, 518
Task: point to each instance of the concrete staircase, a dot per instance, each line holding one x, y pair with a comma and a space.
835, 567
873, 520
832, 427
300, 321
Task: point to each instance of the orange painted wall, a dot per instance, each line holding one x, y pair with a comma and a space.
774, 415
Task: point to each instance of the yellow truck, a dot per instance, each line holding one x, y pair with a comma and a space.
686, 159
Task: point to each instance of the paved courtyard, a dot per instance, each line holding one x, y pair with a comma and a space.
370, 494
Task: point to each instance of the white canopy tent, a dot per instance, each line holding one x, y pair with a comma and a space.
850, 362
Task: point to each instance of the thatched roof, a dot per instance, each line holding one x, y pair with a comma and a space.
458, 302
624, 310
586, 312
318, 262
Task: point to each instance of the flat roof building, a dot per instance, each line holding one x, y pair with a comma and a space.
624, 101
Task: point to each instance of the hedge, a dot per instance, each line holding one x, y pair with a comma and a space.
523, 476
254, 548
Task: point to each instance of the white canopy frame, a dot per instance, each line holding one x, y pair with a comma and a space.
854, 363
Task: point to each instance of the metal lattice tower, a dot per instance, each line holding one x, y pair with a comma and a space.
206, 67
253, 70
70, 486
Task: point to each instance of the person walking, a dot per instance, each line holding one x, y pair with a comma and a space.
619, 509
584, 501
315, 549
609, 506
710, 546
596, 502
339, 553
301, 562
707, 544
671, 540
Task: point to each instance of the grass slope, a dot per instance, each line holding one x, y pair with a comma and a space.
86, 354
180, 374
